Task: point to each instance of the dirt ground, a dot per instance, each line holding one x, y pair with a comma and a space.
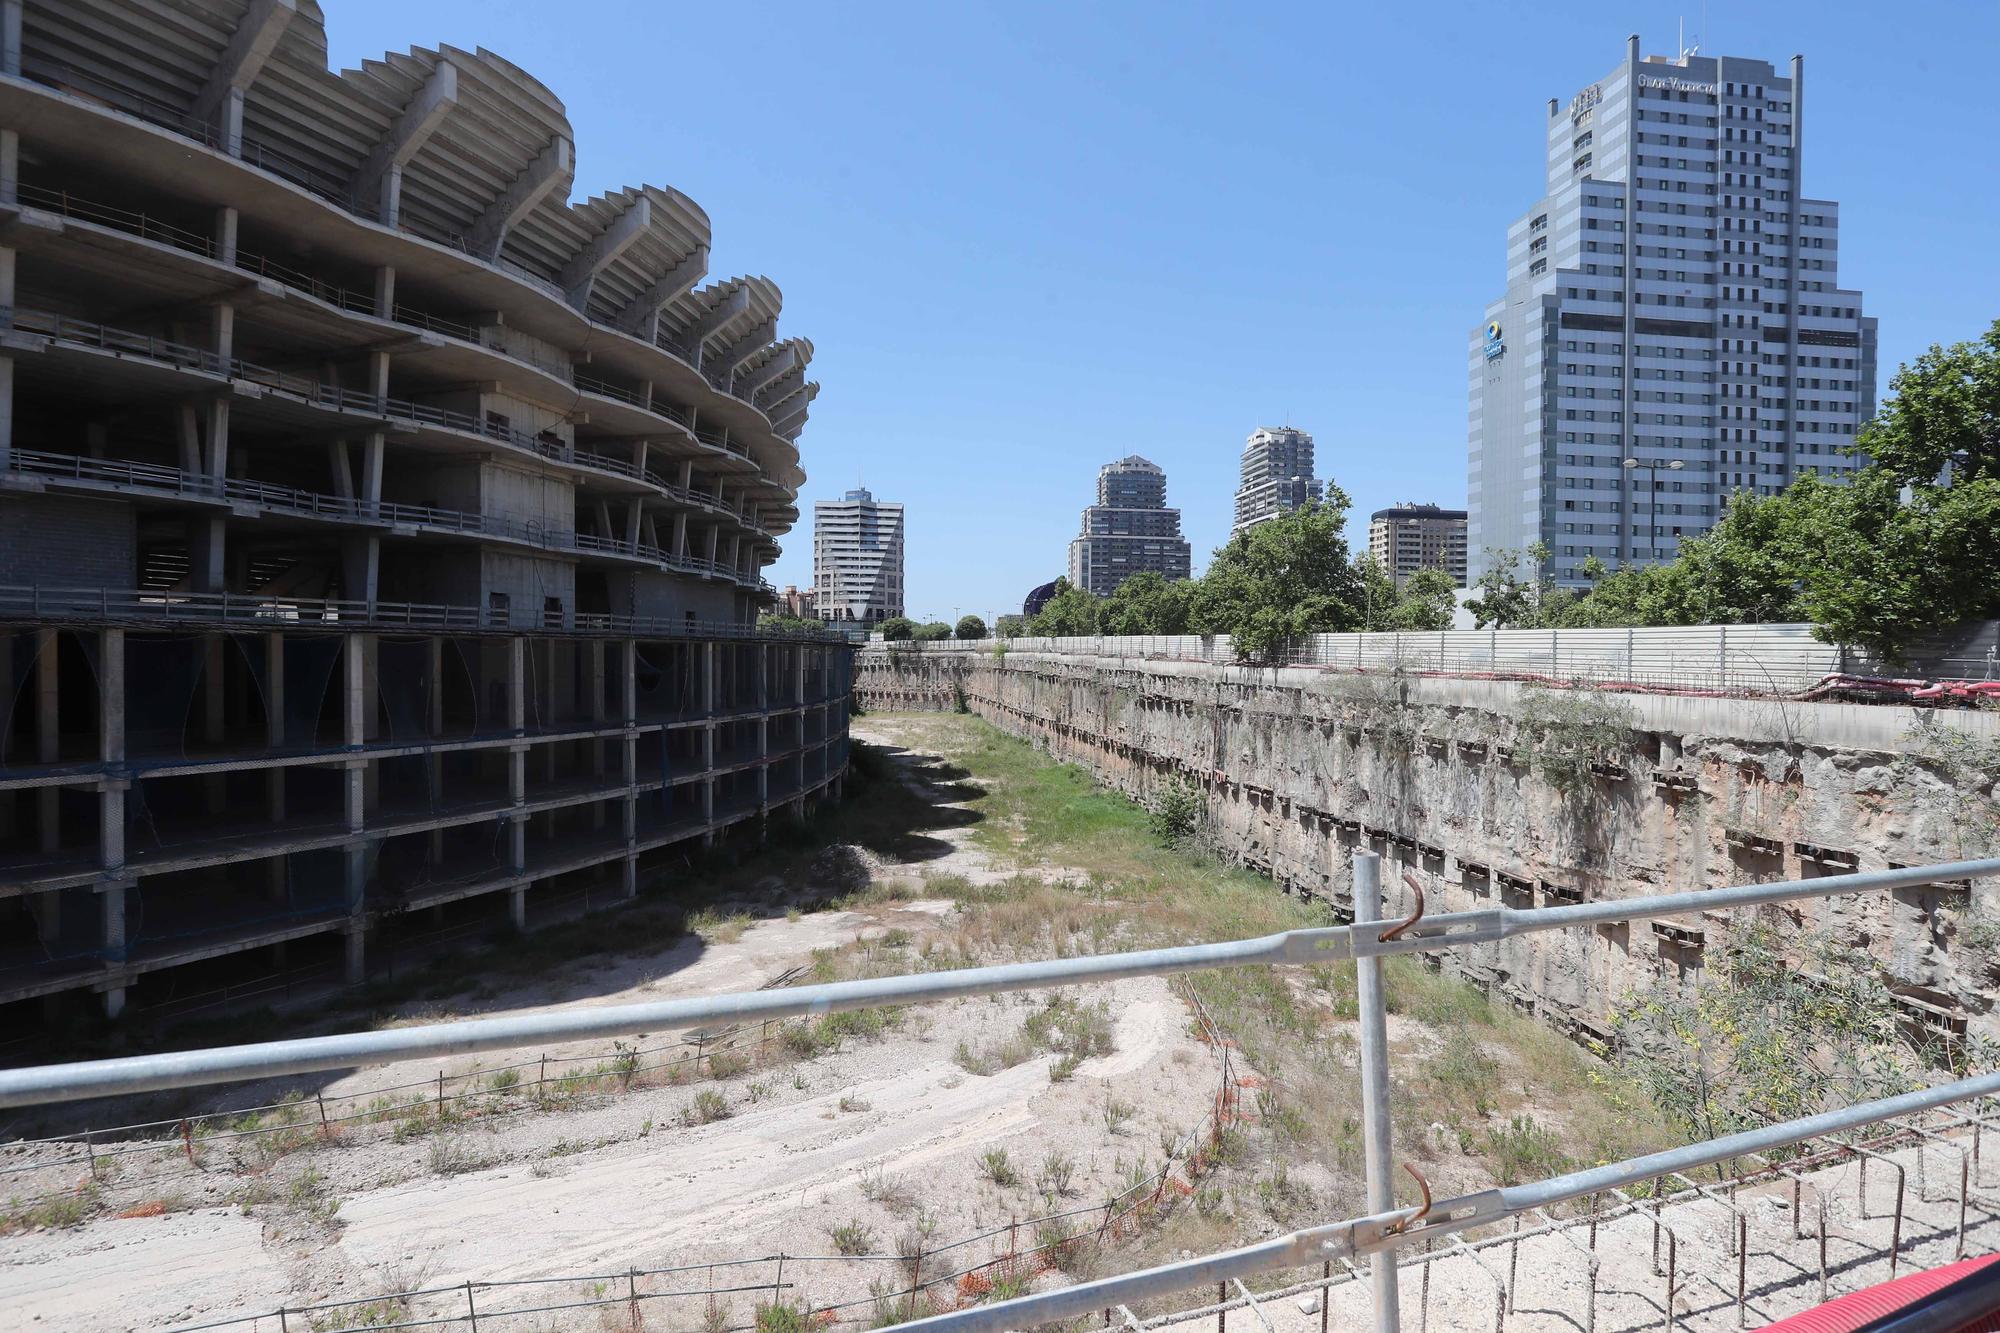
848, 1158
883, 1133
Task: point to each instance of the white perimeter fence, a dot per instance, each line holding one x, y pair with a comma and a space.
1729, 659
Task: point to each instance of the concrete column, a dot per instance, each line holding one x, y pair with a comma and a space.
385, 291
225, 235
631, 877
354, 733
714, 538
517, 755
371, 472
111, 749
274, 737
434, 730
338, 467
681, 534
687, 474
517, 907
231, 121
48, 735
9, 146
214, 698
594, 681
207, 554
10, 167
361, 568
111, 912
10, 37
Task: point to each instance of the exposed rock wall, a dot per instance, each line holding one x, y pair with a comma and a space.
1488, 788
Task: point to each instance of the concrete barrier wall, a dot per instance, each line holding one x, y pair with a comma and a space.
1301, 766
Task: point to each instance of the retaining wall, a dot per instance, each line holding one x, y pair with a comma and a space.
1301, 766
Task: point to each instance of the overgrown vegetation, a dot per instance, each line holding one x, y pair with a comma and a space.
1766, 1039
1176, 812
1274, 582
1902, 546
1570, 737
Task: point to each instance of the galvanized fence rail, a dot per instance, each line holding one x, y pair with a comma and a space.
1383, 1232
1723, 659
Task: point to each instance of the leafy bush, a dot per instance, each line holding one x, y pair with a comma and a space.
1176, 812
970, 627
851, 1238
993, 1164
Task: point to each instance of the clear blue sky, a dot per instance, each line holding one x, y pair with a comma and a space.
1030, 238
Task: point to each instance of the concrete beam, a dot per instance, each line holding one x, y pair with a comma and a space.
744, 348
769, 371
736, 303
580, 273
786, 399
639, 313
554, 165
242, 60
790, 421
789, 384
381, 174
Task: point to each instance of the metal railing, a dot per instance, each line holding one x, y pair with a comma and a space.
313, 504
143, 609
1376, 1236
1720, 659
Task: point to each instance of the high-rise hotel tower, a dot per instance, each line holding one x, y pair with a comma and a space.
1673, 329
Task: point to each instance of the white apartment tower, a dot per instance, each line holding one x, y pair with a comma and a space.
857, 559
1277, 475
1673, 329
1129, 530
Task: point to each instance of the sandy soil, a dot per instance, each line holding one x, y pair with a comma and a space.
621, 1182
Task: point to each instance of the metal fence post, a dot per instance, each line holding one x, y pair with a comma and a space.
1375, 1087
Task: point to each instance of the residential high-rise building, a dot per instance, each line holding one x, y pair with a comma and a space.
1673, 329
1416, 536
1277, 475
857, 558
383, 538
1129, 530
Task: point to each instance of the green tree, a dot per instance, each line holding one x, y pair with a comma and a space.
1767, 1038
779, 624
1282, 579
1505, 599
1378, 593
1944, 407
1427, 601
970, 627
1147, 603
898, 627
1010, 626
931, 630
1070, 611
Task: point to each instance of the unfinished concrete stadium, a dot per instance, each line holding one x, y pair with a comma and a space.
379, 531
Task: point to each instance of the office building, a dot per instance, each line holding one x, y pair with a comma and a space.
1277, 475
1416, 536
1129, 530
1674, 298
381, 534
857, 559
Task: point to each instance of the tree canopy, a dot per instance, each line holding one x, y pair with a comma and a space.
1277, 580
898, 627
969, 627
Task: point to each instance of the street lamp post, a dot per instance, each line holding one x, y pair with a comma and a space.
1652, 471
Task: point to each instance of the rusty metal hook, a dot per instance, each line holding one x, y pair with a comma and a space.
1416, 916
1399, 1227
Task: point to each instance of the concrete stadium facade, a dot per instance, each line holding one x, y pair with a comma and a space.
379, 530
